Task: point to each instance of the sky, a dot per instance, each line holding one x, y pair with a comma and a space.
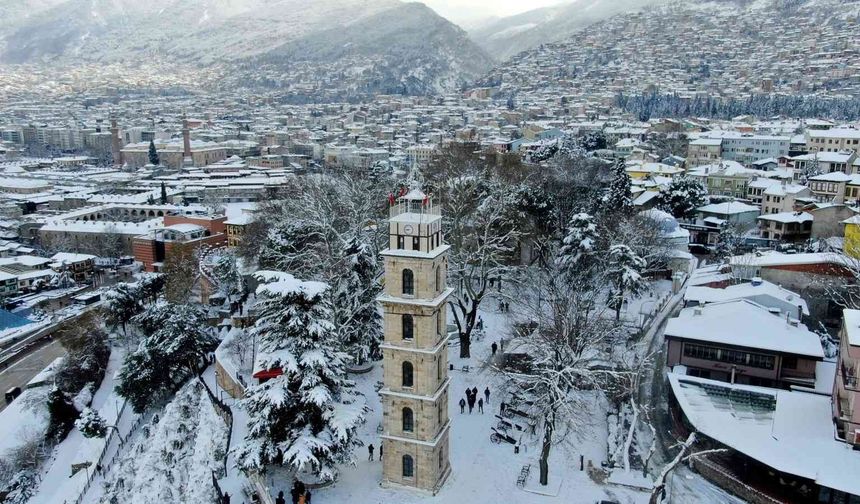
464, 11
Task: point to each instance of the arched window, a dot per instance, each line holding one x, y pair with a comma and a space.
407, 374
408, 282
408, 420
408, 466
407, 326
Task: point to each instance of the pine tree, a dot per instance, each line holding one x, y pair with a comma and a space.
624, 272
810, 169
176, 342
121, 304
163, 200
153, 155
727, 243
576, 254
307, 417
356, 315
226, 272
22, 488
618, 198
682, 197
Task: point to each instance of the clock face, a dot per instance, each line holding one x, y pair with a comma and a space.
407, 229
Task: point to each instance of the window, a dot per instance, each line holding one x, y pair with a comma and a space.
407, 374
729, 356
408, 420
407, 326
401, 244
416, 243
789, 362
408, 466
408, 282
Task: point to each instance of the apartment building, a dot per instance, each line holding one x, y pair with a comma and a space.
846, 388
833, 140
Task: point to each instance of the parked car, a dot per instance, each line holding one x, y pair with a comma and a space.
12, 393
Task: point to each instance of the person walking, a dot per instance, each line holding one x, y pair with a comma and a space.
471, 402
370, 452
226, 498
308, 495
494, 347
380, 455
502, 408
481, 406
280, 499
474, 393
487, 394
462, 405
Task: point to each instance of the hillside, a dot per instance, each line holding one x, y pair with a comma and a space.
405, 50
508, 36
192, 30
355, 46
720, 48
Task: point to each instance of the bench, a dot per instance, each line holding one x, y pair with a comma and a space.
524, 475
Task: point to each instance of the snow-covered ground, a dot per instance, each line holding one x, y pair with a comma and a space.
56, 484
482, 471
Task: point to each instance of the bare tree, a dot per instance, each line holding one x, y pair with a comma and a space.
484, 236
684, 454
568, 351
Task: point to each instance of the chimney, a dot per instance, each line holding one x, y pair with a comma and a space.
697, 311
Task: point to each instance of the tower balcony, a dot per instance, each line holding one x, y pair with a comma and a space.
414, 211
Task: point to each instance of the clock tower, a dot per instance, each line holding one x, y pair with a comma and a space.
415, 351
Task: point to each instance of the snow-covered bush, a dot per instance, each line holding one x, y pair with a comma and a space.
91, 424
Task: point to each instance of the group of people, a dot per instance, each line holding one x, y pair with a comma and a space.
472, 399
504, 307
299, 494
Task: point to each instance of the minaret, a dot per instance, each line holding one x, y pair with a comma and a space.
187, 160
415, 351
115, 142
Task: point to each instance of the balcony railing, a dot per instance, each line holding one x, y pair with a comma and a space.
417, 208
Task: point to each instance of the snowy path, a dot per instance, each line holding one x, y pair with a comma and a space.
56, 485
234, 482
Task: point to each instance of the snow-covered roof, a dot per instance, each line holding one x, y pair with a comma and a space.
835, 133
790, 431
781, 189
774, 258
747, 324
788, 217
826, 157
69, 257
185, 228
748, 290
836, 176
728, 208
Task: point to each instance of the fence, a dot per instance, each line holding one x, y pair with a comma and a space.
728, 482
103, 464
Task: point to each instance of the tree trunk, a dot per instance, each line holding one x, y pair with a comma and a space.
549, 426
465, 345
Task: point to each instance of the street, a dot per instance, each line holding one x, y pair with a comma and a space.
23, 370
